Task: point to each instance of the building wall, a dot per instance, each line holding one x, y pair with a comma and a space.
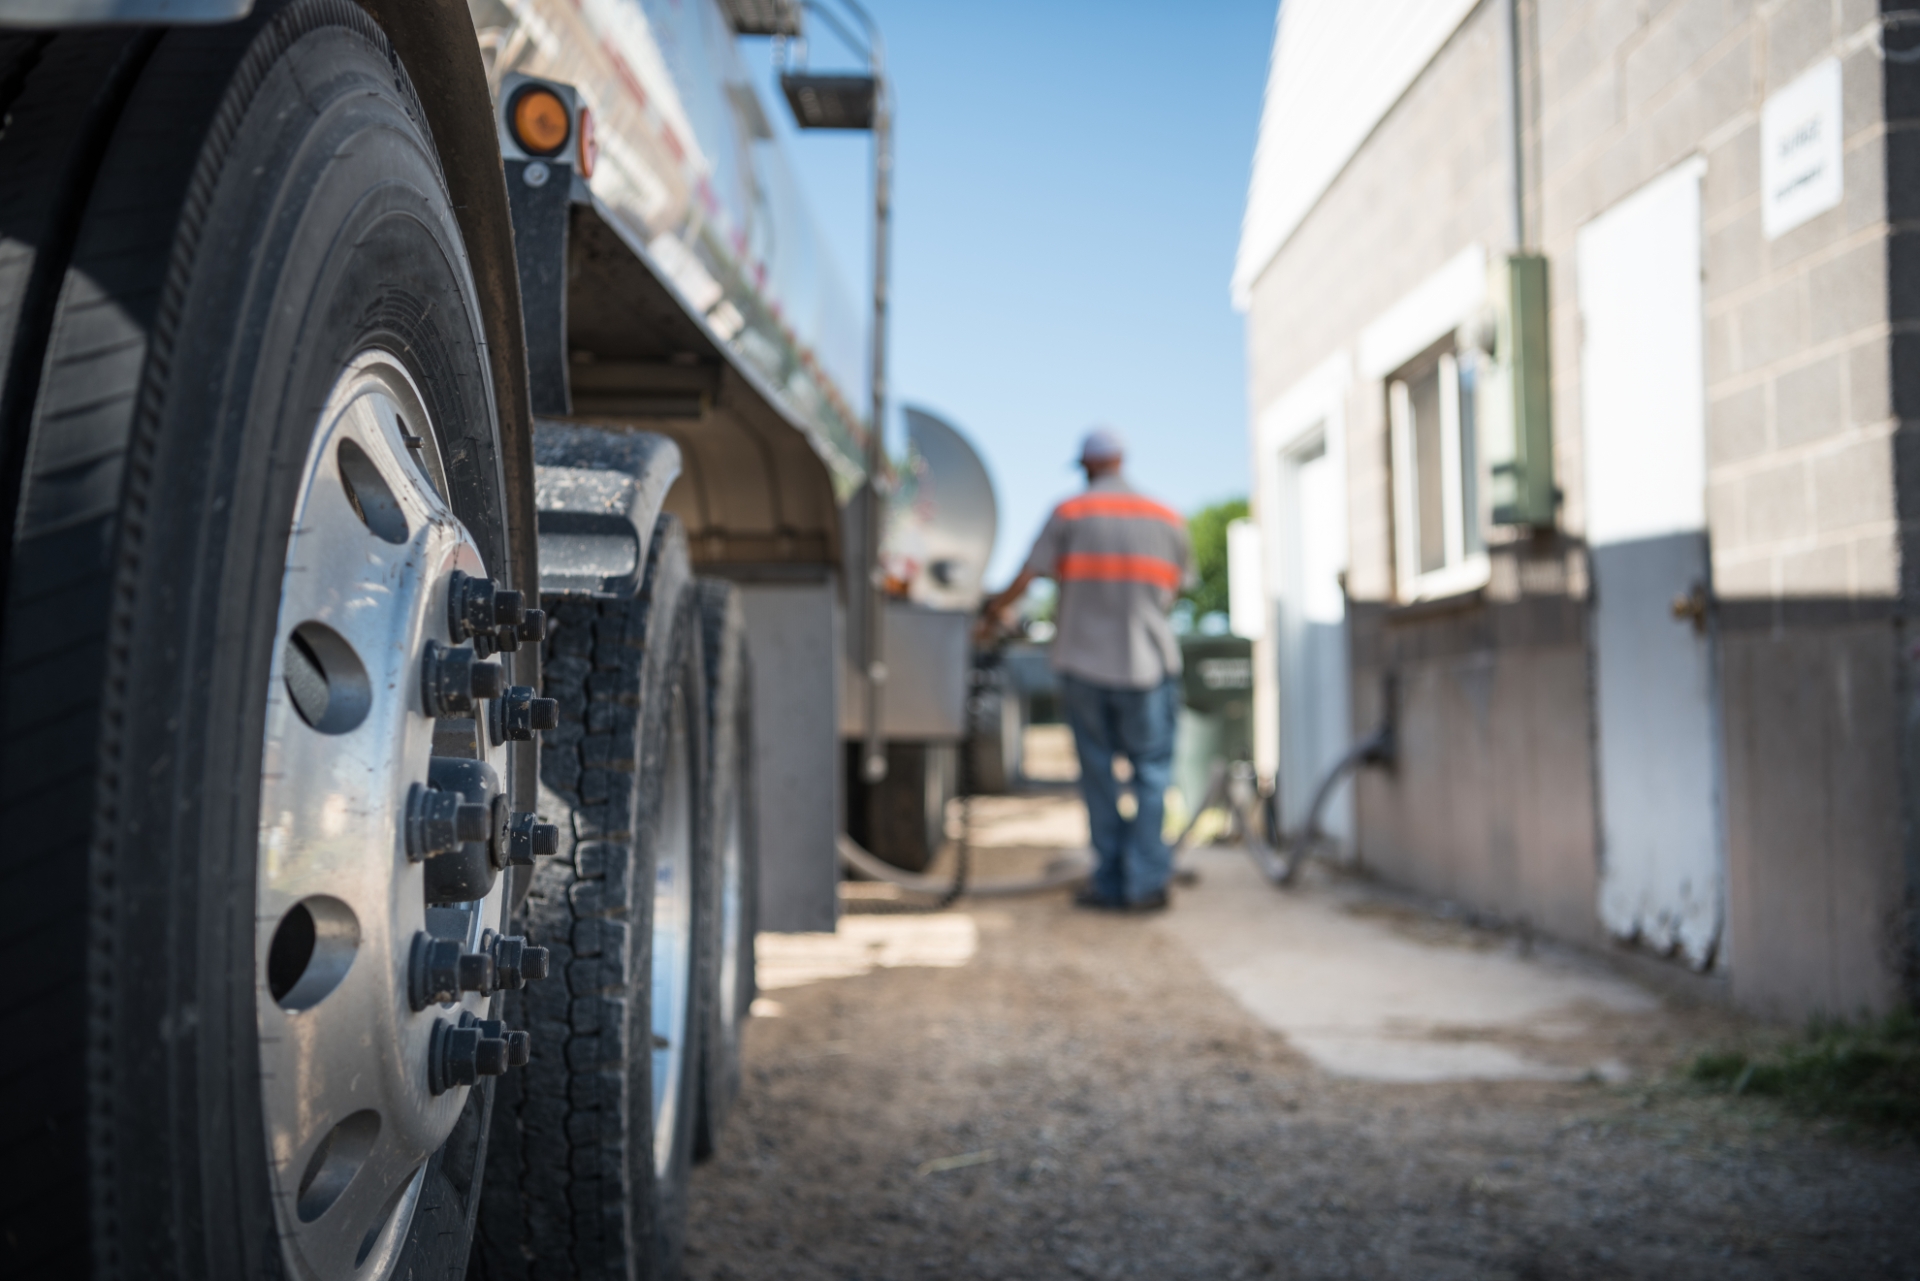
1493, 800
1491, 803
1801, 510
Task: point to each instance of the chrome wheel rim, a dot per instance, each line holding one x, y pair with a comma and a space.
672, 938
350, 1117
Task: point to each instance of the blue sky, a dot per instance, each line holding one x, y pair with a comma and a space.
1068, 186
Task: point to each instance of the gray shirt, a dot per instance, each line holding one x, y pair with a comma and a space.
1120, 559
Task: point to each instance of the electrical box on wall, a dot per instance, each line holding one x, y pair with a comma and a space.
1516, 418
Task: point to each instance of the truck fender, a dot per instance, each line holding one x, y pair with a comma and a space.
600, 493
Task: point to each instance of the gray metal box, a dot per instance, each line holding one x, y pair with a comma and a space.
928, 653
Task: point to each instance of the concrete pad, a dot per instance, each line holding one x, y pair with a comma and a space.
1366, 1001
863, 943
1025, 819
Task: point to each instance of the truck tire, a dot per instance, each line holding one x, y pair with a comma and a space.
60, 95
993, 736
902, 819
727, 971
593, 1143
203, 577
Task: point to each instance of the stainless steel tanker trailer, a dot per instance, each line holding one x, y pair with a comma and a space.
434, 577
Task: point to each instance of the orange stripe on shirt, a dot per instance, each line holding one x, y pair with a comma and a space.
1123, 505
1115, 567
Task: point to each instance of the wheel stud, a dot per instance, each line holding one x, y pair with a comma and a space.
534, 626
490, 1059
438, 822
452, 679
517, 714
533, 964
439, 970
528, 838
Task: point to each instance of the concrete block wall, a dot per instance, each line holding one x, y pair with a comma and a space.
1801, 505
1798, 408
1813, 391
1492, 803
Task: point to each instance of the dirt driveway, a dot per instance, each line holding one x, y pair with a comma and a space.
1020, 1090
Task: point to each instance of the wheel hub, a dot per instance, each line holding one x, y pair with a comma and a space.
382, 830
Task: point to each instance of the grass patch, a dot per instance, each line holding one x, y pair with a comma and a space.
1867, 1072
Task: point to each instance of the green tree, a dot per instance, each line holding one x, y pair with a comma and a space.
1208, 529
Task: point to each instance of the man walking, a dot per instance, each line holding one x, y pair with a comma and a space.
1118, 558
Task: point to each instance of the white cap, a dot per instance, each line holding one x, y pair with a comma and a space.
1102, 445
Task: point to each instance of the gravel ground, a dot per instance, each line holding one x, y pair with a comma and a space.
1081, 1100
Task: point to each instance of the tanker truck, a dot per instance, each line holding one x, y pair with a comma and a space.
443, 622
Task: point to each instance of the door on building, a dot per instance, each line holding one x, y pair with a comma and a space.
1643, 433
1313, 635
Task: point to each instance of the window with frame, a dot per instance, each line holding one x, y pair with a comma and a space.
1439, 547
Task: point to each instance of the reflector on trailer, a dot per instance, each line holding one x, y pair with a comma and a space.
589, 143
540, 121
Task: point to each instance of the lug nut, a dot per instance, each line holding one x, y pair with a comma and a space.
452, 679
489, 679
517, 714
476, 973
476, 608
439, 821
507, 951
453, 1056
475, 822
528, 838
509, 607
439, 970
515, 962
490, 1058
469, 605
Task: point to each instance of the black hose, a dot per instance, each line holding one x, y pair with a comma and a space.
1375, 749
1058, 875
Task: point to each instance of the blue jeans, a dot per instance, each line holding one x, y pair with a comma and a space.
1134, 862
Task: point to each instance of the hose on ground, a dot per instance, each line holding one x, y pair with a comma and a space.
1279, 855
946, 892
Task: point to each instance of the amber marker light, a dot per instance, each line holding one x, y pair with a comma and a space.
589, 143
539, 121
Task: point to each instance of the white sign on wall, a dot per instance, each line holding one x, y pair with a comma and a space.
1800, 152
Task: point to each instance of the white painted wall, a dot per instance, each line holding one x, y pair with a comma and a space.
1338, 67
